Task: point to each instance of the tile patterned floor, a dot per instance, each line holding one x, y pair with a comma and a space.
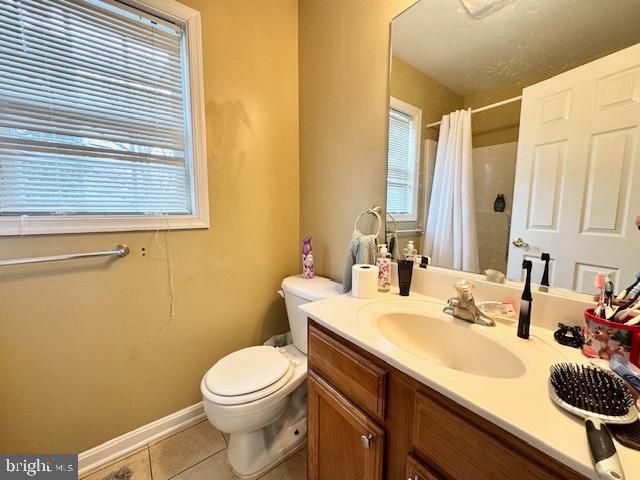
196, 453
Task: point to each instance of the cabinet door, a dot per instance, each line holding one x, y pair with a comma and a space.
417, 471
465, 447
344, 443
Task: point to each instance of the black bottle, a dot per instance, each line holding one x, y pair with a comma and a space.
499, 203
544, 283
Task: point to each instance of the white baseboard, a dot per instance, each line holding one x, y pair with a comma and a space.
92, 459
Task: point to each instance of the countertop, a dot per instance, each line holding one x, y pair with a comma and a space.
519, 405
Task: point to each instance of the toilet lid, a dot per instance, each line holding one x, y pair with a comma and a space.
253, 396
312, 289
246, 371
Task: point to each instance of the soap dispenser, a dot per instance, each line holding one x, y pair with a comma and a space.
410, 251
383, 262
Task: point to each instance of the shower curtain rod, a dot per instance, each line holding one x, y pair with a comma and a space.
487, 107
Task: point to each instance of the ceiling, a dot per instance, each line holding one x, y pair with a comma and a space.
522, 43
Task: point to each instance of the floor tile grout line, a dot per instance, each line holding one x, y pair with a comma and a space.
288, 459
149, 457
148, 449
155, 442
197, 463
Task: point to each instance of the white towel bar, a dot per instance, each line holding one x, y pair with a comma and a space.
118, 251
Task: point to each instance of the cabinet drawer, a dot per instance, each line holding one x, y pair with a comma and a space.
417, 471
466, 447
351, 374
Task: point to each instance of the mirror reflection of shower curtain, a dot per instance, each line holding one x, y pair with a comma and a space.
450, 237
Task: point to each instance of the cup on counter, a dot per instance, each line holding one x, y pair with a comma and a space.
405, 272
602, 339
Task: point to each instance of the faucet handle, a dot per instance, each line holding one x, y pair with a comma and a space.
465, 289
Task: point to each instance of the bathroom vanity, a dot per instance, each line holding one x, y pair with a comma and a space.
368, 420
385, 401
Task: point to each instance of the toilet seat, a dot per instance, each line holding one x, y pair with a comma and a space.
248, 375
253, 396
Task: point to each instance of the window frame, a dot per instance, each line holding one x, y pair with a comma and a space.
196, 148
416, 124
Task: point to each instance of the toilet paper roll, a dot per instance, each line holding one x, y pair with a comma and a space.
364, 281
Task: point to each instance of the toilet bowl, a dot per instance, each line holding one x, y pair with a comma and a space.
258, 394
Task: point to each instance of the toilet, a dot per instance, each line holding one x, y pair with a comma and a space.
258, 394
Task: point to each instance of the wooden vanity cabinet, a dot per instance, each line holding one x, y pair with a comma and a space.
360, 380
343, 441
417, 471
369, 421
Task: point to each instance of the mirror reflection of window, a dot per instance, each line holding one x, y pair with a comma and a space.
403, 160
555, 168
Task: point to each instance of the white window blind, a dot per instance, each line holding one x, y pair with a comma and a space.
400, 168
92, 110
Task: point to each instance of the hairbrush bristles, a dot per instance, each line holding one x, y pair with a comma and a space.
628, 435
591, 389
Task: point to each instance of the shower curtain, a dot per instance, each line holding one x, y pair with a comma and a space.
450, 233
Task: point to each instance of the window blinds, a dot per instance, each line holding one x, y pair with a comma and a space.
400, 163
92, 110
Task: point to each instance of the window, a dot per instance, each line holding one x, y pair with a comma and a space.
403, 162
101, 117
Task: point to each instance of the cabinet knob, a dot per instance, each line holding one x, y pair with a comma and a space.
415, 477
366, 440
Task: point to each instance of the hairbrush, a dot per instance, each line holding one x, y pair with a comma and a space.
628, 435
623, 294
600, 398
631, 300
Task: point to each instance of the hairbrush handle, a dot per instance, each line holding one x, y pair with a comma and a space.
623, 294
603, 451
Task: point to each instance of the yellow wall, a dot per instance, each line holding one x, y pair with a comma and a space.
86, 350
415, 87
499, 125
344, 65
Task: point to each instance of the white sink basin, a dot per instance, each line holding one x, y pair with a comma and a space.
451, 343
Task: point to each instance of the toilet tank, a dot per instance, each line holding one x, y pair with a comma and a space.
299, 290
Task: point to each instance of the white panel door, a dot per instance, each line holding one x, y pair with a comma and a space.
577, 189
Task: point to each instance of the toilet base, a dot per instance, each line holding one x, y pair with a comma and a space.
254, 453
270, 460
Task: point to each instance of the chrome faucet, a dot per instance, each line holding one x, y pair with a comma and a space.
464, 306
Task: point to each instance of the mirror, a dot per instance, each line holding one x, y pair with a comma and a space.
514, 132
